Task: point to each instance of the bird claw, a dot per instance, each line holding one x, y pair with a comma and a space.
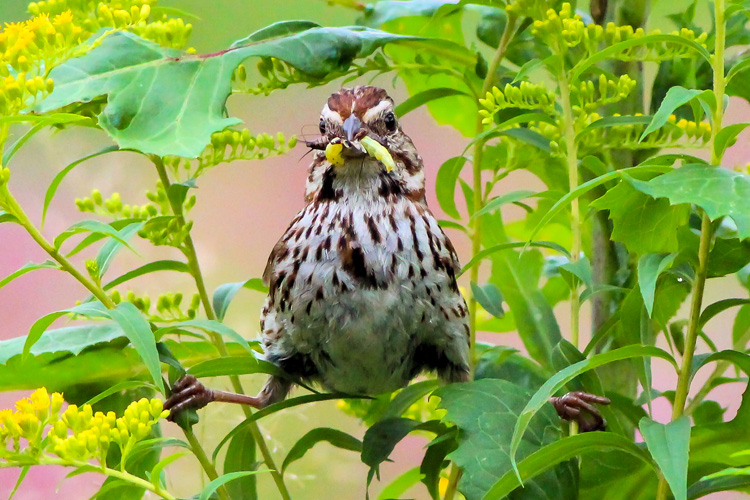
187, 394
579, 407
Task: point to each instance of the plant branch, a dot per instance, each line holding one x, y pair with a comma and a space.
218, 341
15, 208
124, 476
571, 156
476, 234
683, 382
205, 462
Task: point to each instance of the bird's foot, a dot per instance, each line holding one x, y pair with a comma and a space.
579, 407
187, 393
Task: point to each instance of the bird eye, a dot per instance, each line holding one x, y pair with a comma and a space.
390, 121
322, 126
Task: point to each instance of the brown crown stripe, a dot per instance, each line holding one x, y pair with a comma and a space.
363, 97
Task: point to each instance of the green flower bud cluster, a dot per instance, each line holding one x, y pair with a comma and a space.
525, 96
682, 133
527, 8
169, 306
588, 96
232, 145
113, 207
564, 28
131, 15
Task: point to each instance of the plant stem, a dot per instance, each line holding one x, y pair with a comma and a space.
205, 462
125, 476
15, 208
571, 156
683, 381
453, 479
195, 271
476, 234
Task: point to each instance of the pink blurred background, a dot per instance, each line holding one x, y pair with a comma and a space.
242, 210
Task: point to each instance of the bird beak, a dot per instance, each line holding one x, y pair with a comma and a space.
352, 126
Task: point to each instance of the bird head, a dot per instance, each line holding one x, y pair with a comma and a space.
361, 139
356, 123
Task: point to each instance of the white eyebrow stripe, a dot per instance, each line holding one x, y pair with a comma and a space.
375, 111
331, 116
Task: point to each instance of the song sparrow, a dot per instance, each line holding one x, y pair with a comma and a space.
362, 286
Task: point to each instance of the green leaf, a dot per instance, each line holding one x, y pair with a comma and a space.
581, 269
485, 411
517, 276
108, 251
499, 201
489, 297
614, 121
122, 386
730, 479
232, 365
487, 252
650, 266
718, 191
21, 477
91, 310
560, 451
718, 307
159, 467
669, 444
426, 96
613, 50
151, 267
241, 455
676, 97
93, 226
268, 410
150, 445
217, 483
588, 186
225, 293
52, 119
643, 224
137, 329
6, 217
208, 326
726, 137
27, 269
177, 192
407, 397
69, 340
445, 185
52, 189
335, 437
401, 484
435, 460
190, 91
102, 361
380, 439
562, 377
275, 30
708, 413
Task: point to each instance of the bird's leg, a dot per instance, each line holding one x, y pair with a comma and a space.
579, 407
189, 393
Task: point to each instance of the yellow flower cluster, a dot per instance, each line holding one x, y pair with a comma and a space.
27, 51
132, 15
525, 96
76, 434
